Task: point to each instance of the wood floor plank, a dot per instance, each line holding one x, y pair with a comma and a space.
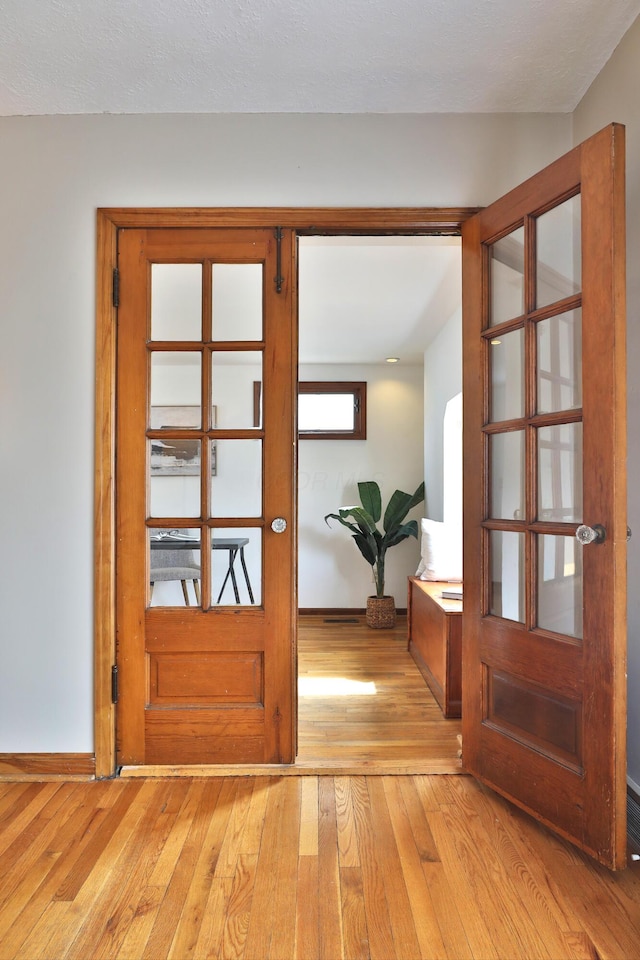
307, 940
309, 817
262, 919
477, 925
409, 847
282, 945
238, 908
20, 803
236, 801
224, 807
400, 914
490, 883
347, 838
106, 929
144, 909
612, 925
214, 918
354, 919
197, 821
61, 845
329, 907
381, 940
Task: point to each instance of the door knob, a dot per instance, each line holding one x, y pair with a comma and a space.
279, 525
595, 534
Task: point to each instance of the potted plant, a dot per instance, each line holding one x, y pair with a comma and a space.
373, 544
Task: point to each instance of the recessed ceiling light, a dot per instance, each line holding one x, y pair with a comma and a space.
495, 343
392, 359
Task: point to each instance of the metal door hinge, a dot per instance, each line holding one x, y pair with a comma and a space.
278, 279
115, 288
114, 684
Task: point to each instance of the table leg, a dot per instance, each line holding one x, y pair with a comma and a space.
246, 575
230, 573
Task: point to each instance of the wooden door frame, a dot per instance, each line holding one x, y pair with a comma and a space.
428, 221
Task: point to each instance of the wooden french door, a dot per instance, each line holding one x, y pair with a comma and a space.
544, 680
205, 519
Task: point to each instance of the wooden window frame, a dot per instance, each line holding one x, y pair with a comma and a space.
359, 390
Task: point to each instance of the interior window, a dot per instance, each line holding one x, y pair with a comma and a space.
332, 410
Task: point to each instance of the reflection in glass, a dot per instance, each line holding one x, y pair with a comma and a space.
233, 375
236, 566
176, 301
236, 488
174, 567
175, 389
560, 473
506, 453
237, 301
560, 362
506, 357
559, 257
560, 585
507, 277
507, 575
174, 481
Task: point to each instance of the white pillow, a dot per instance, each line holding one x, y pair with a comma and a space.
440, 551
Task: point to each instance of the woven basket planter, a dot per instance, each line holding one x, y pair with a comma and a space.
381, 612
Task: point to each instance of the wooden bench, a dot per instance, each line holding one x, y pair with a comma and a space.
435, 640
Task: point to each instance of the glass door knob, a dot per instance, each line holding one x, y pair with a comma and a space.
279, 525
595, 534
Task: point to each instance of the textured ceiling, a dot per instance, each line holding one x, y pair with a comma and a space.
311, 56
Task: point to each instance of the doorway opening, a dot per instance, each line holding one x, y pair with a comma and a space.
383, 311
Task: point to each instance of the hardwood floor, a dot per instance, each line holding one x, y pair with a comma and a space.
363, 704
298, 867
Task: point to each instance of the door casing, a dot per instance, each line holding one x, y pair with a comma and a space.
445, 221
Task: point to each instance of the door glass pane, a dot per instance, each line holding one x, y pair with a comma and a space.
506, 564
560, 585
560, 473
233, 375
506, 452
506, 357
559, 358
237, 301
558, 249
174, 567
174, 481
176, 301
507, 277
175, 389
236, 482
236, 566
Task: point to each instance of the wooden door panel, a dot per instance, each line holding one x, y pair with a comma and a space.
211, 683
544, 711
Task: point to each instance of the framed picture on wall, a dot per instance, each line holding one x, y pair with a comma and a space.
172, 456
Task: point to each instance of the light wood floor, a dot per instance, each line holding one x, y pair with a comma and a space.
363, 704
298, 867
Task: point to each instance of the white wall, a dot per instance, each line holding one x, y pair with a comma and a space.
54, 173
614, 97
332, 572
442, 381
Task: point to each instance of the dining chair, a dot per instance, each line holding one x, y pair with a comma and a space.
167, 564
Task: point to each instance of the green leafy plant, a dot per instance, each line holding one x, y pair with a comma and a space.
362, 521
